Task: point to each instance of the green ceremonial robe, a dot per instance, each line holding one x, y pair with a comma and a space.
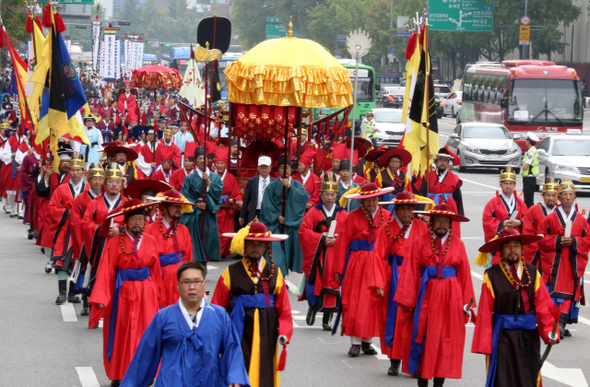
192, 189
287, 255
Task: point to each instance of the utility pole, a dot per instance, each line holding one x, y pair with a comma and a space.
524, 53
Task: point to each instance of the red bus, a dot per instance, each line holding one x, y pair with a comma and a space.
523, 95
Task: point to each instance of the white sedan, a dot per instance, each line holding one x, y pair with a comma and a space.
452, 103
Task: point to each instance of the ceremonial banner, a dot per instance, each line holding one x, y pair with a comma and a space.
118, 59
192, 87
95, 44
110, 46
101, 59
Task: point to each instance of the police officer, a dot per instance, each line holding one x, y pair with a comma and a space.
370, 130
530, 170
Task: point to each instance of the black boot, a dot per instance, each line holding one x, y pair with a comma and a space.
368, 349
354, 350
438, 382
85, 306
72, 294
310, 319
422, 382
394, 368
326, 321
62, 292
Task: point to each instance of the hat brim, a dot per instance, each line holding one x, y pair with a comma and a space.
164, 200
404, 202
495, 245
111, 151
273, 238
136, 187
121, 211
442, 155
382, 191
374, 155
454, 217
405, 156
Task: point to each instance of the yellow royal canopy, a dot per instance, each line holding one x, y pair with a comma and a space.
289, 72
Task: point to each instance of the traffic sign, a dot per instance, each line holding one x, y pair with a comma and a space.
402, 22
392, 50
525, 35
274, 19
525, 20
342, 38
275, 31
337, 52
461, 15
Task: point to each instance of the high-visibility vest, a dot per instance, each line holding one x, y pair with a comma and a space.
533, 169
369, 128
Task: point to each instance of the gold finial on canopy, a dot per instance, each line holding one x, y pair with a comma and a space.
290, 27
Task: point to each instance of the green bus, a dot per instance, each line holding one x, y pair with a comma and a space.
365, 96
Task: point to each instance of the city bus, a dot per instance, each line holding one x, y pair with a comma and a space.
225, 61
365, 96
523, 95
148, 59
177, 58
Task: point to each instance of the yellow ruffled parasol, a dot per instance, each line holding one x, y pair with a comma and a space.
289, 72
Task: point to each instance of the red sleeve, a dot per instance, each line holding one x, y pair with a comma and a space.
102, 292
76, 225
380, 259
311, 238
409, 275
491, 224
222, 295
482, 336
283, 307
543, 309
155, 269
529, 226
551, 238
185, 240
58, 213
235, 193
464, 275
342, 244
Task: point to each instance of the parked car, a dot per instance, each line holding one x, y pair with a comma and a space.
393, 96
565, 155
442, 90
484, 145
452, 103
390, 129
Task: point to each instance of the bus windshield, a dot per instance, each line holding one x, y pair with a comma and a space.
543, 101
365, 86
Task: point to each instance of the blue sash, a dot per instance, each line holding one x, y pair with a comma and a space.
240, 303
506, 321
355, 245
394, 261
170, 259
437, 196
122, 275
428, 272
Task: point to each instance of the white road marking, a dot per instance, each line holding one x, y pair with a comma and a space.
379, 355
87, 377
68, 312
211, 267
569, 376
101, 323
480, 184
477, 275
345, 362
292, 288
583, 320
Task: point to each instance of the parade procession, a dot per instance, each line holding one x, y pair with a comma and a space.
256, 222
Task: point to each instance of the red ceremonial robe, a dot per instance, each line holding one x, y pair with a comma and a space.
159, 175
147, 156
563, 269
358, 318
45, 237
76, 228
442, 320
60, 209
178, 177
448, 191
225, 215
137, 301
129, 110
320, 257
176, 154
95, 236
496, 212
518, 352
384, 247
28, 187
532, 223
177, 243
311, 185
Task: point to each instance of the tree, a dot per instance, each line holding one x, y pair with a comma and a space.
250, 21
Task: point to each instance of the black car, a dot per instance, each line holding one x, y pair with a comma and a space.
438, 103
395, 100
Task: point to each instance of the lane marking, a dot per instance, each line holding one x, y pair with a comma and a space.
480, 184
570, 376
210, 267
583, 320
477, 275
87, 377
68, 312
101, 323
292, 288
380, 354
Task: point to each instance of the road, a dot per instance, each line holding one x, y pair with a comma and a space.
43, 344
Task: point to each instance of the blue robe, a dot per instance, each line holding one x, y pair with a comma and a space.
287, 255
207, 355
90, 153
192, 189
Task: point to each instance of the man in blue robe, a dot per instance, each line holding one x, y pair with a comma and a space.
287, 254
206, 246
194, 340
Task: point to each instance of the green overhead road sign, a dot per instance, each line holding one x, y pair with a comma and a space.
461, 15
275, 31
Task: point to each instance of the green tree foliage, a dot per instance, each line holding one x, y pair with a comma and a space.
14, 16
249, 20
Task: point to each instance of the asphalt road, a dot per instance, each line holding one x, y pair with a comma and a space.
42, 344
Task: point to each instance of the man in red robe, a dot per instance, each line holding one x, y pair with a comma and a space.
163, 172
173, 242
436, 284
60, 209
146, 155
188, 166
167, 147
353, 269
534, 217
127, 105
391, 252
514, 312
564, 254
443, 186
95, 226
310, 181
143, 190
106, 125
505, 210
126, 291
231, 197
95, 179
28, 176
318, 252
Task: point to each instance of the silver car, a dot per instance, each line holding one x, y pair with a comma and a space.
484, 145
565, 155
390, 129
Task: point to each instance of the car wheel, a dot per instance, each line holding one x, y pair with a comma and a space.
453, 114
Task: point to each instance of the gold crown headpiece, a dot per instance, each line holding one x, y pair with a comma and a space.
550, 185
508, 174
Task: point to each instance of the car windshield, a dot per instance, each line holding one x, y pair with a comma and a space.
570, 147
442, 89
394, 116
486, 132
